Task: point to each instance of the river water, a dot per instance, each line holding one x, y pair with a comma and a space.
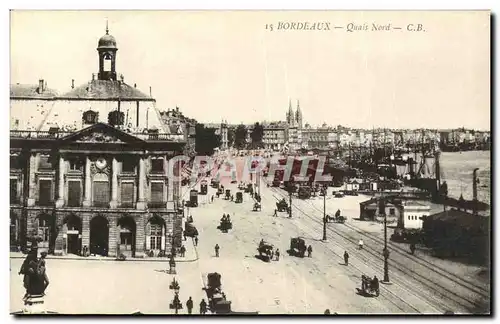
456, 170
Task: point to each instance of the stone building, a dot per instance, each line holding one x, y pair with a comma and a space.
88, 168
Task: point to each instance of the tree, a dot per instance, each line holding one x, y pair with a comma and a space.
230, 136
240, 137
257, 135
206, 140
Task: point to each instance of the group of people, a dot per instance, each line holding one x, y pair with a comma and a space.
225, 218
35, 274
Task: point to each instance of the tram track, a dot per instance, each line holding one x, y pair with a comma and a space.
407, 308
435, 287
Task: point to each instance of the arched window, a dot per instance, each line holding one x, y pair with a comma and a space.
116, 118
107, 62
90, 117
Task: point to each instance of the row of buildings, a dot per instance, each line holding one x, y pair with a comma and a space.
291, 133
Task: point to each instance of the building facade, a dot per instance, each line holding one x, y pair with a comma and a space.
89, 168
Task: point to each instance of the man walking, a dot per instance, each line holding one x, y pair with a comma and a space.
346, 258
189, 305
217, 250
309, 251
196, 240
203, 307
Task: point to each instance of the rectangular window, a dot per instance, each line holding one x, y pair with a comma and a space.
45, 163
392, 211
74, 193
15, 162
128, 165
157, 165
45, 192
127, 194
75, 165
157, 192
14, 199
101, 194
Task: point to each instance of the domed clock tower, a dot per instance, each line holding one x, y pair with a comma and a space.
107, 57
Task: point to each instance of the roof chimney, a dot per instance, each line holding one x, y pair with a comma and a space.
135, 85
150, 92
40, 86
93, 76
72, 83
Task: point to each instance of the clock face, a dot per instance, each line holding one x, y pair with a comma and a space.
100, 163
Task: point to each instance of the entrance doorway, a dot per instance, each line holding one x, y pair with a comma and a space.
99, 236
73, 235
127, 236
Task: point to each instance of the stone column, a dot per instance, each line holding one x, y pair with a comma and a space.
113, 237
140, 236
86, 230
170, 179
167, 178
60, 184
141, 201
33, 165
114, 184
88, 185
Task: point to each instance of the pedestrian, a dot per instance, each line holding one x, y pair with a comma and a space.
184, 232
275, 212
346, 258
212, 198
183, 251
196, 240
189, 305
217, 250
360, 244
203, 307
309, 251
277, 253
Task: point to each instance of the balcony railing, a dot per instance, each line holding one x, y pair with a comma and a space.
45, 203
127, 205
157, 204
60, 134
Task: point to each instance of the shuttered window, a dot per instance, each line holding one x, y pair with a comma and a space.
157, 192
74, 193
101, 194
127, 194
45, 192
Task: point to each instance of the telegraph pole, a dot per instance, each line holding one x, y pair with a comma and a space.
324, 211
474, 191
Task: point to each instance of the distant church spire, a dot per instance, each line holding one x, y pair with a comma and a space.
107, 29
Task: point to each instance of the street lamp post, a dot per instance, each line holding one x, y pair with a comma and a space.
386, 253
324, 212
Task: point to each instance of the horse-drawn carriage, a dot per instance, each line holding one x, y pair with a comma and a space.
217, 302
266, 251
369, 286
239, 197
282, 206
249, 188
203, 187
193, 198
228, 194
225, 224
257, 206
190, 230
298, 247
214, 183
336, 219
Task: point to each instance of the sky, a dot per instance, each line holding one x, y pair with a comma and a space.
218, 65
